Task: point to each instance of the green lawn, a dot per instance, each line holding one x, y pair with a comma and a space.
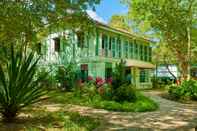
142, 104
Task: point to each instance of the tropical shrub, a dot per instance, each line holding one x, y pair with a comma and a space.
121, 89
125, 93
109, 81
187, 90
46, 82
66, 77
89, 89
99, 82
161, 82
19, 86
119, 75
106, 91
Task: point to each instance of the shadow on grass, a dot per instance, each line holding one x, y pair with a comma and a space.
42, 120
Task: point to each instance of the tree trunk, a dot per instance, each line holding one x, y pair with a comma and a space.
189, 54
184, 70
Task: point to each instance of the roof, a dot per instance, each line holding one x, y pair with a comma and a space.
140, 64
121, 31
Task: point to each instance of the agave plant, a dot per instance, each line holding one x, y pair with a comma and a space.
19, 85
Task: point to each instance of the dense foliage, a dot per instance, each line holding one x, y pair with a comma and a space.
161, 82
173, 22
119, 77
122, 89
114, 93
66, 76
120, 22
142, 104
18, 85
186, 91
125, 93
26, 21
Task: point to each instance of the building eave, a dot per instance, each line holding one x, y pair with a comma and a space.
139, 64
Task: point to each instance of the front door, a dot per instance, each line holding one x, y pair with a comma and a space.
128, 74
84, 72
108, 70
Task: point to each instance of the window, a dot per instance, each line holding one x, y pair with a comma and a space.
110, 43
113, 47
119, 48
136, 50
104, 45
57, 44
104, 41
131, 50
97, 43
126, 49
143, 76
80, 39
84, 72
150, 54
141, 52
146, 53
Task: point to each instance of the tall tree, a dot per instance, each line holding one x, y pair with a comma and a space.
174, 21
162, 55
25, 21
120, 22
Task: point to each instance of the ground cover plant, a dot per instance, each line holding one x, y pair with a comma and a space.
187, 90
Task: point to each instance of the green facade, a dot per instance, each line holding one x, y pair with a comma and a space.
95, 53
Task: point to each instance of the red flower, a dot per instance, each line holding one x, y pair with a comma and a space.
90, 78
99, 81
109, 80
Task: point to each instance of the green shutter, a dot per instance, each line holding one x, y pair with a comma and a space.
97, 43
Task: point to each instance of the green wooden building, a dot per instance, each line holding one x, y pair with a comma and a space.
96, 52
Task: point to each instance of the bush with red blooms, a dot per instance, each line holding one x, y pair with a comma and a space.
90, 78
99, 82
109, 80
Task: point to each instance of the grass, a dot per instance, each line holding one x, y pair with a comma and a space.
41, 119
36, 118
142, 104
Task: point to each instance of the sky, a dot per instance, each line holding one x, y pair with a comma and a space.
106, 9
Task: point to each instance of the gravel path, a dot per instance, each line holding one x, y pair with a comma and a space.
171, 116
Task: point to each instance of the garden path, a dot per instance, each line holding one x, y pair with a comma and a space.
170, 116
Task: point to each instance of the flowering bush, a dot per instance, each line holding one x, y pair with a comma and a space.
109, 80
101, 90
99, 82
90, 78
